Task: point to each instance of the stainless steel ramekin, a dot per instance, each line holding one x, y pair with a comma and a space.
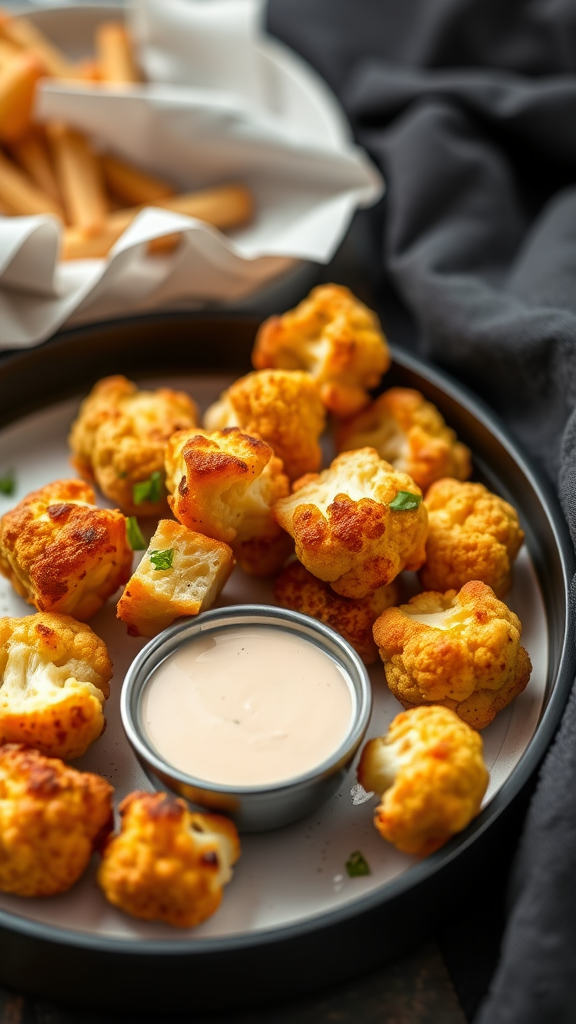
253, 808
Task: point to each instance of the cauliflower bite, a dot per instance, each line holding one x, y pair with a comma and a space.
474, 535
119, 440
345, 525
54, 675
52, 818
168, 864
224, 484
461, 650
282, 407
181, 573
408, 432
333, 336
298, 589
61, 553
432, 777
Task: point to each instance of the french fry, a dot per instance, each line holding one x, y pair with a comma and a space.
114, 53
132, 186
225, 206
20, 195
18, 80
79, 178
31, 152
8, 51
22, 32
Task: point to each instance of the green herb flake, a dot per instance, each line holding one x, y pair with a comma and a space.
148, 490
133, 532
357, 865
162, 559
8, 482
405, 501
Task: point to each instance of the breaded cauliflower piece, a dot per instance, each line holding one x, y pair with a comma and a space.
119, 440
333, 336
410, 433
432, 777
181, 573
474, 535
168, 864
61, 553
345, 529
223, 484
298, 589
54, 675
282, 407
461, 650
52, 818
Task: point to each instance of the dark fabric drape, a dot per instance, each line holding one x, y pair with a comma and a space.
469, 109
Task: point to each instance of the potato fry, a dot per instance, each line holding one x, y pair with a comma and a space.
114, 53
22, 32
31, 152
225, 206
79, 178
17, 88
132, 186
8, 51
19, 194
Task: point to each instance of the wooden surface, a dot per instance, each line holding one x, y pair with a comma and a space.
414, 990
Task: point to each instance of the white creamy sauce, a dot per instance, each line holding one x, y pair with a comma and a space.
247, 706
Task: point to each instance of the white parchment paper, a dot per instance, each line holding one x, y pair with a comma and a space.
222, 103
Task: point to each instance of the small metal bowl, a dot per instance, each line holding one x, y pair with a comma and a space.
253, 808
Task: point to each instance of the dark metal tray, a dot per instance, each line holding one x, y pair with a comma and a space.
233, 971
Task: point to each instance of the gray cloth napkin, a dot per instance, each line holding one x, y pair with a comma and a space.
469, 108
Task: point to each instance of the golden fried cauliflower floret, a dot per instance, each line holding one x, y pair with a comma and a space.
168, 864
61, 553
333, 336
461, 650
181, 573
223, 484
119, 440
282, 407
432, 777
410, 433
298, 589
474, 535
54, 675
52, 818
345, 529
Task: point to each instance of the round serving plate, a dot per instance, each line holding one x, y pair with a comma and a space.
292, 919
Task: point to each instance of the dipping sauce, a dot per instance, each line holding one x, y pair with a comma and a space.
247, 705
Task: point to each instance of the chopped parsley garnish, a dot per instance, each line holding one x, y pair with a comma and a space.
133, 532
162, 559
405, 501
148, 490
357, 865
8, 482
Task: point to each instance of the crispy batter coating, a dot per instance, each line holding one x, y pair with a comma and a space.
298, 589
282, 407
474, 535
223, 484
333, 336
119, 440
345, 531
61, 553
430, 771
461, 650
54, 675
168, 864
184, 577
52, 818
410, 433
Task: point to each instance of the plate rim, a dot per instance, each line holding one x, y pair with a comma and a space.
425, 870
